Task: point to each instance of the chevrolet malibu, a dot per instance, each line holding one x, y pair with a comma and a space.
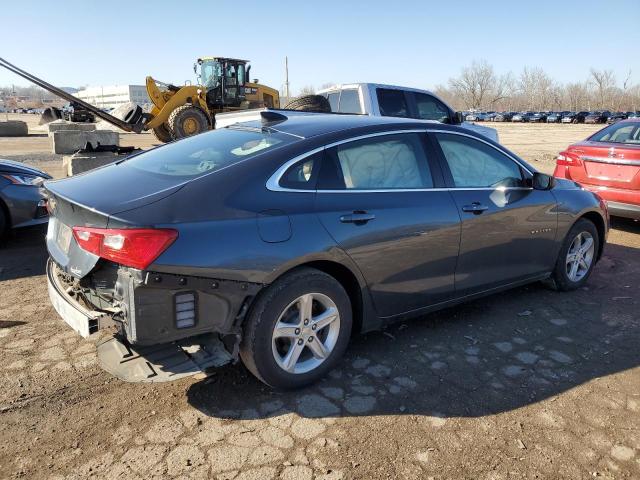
274, 241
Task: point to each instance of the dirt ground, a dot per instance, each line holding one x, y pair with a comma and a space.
526, 384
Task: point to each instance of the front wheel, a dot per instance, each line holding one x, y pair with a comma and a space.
186, 121
297, 330
577, 256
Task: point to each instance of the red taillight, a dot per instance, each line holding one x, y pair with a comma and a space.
132, 247
568, 159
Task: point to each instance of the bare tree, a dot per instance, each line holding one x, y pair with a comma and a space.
604, 82
307, 90
475, 84
576, 96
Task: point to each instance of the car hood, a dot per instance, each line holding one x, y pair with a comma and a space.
9, 166
115, 188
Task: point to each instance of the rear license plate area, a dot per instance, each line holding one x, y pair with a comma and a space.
60, 233
608, 171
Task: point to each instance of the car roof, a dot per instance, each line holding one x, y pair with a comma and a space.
307, 124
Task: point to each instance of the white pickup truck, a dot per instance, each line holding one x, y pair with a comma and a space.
378, 100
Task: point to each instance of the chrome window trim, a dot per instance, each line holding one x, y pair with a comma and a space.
273, 183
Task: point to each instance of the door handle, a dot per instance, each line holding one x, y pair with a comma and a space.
476, 208
357, 217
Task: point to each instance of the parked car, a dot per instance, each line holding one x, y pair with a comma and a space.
575, 117
556, 117
503, 117
378, 100
537, 117
633, 115
616, 117
280, 265
608, 163
21, 202
597, 117
522, 117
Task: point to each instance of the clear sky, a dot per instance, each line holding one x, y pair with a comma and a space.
412, 43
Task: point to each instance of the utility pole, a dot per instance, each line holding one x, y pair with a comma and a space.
286, 78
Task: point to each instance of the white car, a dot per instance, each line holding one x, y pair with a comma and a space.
395, 101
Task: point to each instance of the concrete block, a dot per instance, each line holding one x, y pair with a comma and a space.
14, 128
83, 162
60, 125
67, 141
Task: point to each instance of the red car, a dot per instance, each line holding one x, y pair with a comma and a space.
608, 163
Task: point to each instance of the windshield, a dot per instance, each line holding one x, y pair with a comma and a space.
210, 73
628, 133
207, 152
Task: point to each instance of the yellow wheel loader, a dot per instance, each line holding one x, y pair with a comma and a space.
179, 112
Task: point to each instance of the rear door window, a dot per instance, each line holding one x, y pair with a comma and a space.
333, 98
387, 162
392, 103
302, 175
350, 101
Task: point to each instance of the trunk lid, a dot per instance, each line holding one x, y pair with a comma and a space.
607, 164
91, 200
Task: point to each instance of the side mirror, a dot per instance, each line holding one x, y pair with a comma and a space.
458, 118
542, 181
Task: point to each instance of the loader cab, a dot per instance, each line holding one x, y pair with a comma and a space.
224, 79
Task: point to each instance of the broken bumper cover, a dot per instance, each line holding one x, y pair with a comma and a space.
146, 307
84, 321
162, 363
170, 358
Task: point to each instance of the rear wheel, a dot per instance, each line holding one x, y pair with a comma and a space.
4, 223
577, 256
186, 121
297, 330
162, 133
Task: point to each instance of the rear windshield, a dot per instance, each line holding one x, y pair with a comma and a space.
208, 152
619, 133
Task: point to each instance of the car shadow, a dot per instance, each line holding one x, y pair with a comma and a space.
625, 224
491, 355
23, 253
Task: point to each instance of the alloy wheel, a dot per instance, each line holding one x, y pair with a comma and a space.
306, 333
580, 256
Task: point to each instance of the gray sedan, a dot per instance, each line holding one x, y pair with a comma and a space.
21, 202
273, 241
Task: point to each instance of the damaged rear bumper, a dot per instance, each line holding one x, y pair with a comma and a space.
152, 343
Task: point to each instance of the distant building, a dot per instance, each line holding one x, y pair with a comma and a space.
112, 96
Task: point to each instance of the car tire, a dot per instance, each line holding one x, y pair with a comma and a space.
162, 133
563, 277
4, 223
186, 121
266, 353
310, 103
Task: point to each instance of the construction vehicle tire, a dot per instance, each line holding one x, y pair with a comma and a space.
133, 114
187, 120
162, 133
310, 103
